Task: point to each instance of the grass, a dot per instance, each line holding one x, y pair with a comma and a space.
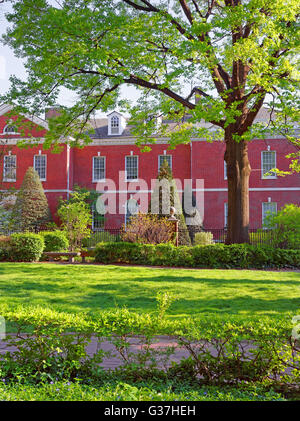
94, 288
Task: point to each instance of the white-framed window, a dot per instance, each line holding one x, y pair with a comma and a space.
161, 159
225, 170
98, 168
268, 161
10, 129
131, 167
268, 208
10, 168
225, 214
115, 125
40, 166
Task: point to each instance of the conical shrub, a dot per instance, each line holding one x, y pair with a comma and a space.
31, 210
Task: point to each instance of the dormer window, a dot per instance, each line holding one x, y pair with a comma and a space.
115, 125
10, 129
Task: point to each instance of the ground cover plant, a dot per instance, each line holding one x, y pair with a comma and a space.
114, 390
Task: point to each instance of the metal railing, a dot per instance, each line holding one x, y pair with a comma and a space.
111, 234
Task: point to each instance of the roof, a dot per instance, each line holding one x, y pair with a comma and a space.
5, 108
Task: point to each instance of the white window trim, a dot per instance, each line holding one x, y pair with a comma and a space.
225, 215
9, 180
269, 177
100, 179
115, 127
262, 212
225, 170
42, 179
132, 180
164, 155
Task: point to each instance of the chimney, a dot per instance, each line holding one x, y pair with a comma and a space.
52, 112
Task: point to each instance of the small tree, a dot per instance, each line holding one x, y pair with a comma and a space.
76, 218
166, 189
31, 210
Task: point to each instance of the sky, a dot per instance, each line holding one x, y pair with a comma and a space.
11, 65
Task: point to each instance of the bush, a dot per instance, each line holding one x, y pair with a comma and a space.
55, 240
203, 238
210, 256
287, 227
221, 350
148, 229
26, 247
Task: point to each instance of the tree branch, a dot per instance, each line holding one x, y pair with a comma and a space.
186, 10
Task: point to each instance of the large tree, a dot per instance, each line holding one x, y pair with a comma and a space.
235, 55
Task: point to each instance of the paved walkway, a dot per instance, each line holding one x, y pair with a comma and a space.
115, 361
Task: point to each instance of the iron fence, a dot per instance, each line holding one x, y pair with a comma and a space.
111, 234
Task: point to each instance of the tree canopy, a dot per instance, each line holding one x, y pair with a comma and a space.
231, 53
234, 55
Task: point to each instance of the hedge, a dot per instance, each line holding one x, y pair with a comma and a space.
26, 247
55, 240
210, 256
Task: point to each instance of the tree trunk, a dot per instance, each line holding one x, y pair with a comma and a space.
238, 173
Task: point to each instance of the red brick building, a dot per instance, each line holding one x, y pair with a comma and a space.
115, 166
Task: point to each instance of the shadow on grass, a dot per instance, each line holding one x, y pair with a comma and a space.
97, 288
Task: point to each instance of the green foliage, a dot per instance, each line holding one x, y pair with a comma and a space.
265, 237
31, 209
148, 229
116, 389
210, 256
5, 248
203, 238
99, 237
287, 227
76, 218
223, 351
26, 247
55, 240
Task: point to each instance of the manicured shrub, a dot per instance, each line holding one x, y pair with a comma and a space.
31, 210
26, 247
203, 238
55, 240
210, 256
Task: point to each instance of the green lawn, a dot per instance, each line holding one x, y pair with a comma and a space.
93, 288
